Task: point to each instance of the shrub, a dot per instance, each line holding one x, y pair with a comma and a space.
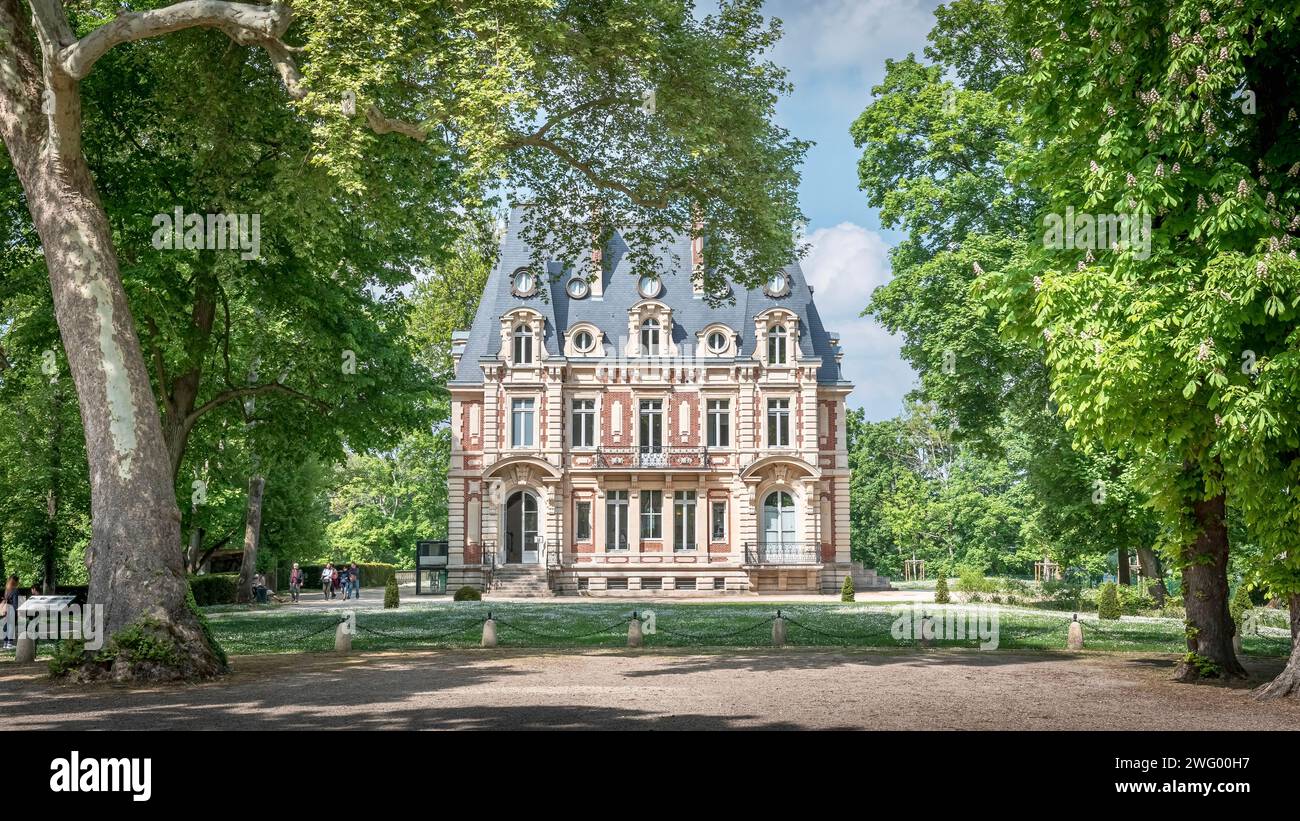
941, 591
971, 580
214, 588
1108, 601
390, 594
1239, 606
68, 655
1134, 600
846, 591
1061, 590
467, 593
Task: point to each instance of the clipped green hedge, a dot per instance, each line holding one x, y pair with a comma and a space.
467, 593
373, 574
941, 595
214, 588
1108, 606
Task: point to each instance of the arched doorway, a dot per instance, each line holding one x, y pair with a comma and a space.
778, 520
523, 545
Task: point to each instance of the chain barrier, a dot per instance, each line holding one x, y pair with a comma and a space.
615, 626
329, 626
716, 636
826, 634
434, 637
621, 623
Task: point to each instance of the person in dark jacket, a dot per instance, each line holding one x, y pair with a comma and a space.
9, 612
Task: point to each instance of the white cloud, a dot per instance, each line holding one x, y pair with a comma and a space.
853, 35
844, 265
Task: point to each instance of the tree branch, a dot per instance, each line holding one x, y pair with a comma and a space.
252, 390
569, 158
245, 23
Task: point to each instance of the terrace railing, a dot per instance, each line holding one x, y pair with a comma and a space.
652, 458
782, 553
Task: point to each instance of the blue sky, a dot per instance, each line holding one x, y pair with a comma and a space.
835, 51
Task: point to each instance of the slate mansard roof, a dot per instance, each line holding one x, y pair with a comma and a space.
610, 312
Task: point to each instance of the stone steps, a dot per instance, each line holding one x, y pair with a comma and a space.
521, 581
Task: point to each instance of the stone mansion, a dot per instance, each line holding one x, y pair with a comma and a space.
621, 437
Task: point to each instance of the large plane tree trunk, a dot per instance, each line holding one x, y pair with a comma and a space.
1287, 683
1205, 596
134, 558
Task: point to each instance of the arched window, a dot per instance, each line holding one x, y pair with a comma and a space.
523, 349
650, 337
778, 519
776, 345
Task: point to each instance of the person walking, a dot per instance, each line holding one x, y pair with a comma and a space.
354, 581
327, 581
9, 613
295, 582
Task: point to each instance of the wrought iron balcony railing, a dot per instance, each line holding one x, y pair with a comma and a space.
650, 457
782, 553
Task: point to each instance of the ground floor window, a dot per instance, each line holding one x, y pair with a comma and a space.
616, 520
684, 520
718, 522
652, 508
582, 511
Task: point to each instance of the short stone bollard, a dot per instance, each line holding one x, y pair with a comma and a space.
1075, 641
927, 631
489, 633
778, 632
342, 638
634, 631
26, 652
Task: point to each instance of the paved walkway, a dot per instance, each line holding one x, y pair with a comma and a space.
793, 688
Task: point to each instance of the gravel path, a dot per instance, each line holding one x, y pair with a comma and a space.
793, 688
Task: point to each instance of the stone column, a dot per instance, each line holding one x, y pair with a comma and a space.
634, 520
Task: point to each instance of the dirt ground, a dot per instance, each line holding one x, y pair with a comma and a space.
793, 688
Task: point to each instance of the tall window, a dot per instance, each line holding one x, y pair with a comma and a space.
776, 344
719, 423
684, 520
582, 512
650, 337
584, 423
523, 351
652, 425
616, 520
717, 521
652, 514
778, 423
521, 423
778, 519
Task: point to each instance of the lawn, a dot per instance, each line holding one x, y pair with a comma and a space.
744, 624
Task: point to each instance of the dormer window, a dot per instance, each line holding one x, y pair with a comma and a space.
778, 285
650, 337
777, 339
523, 345
523, 283
578, 288
649, 287
717, 342
583, 342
